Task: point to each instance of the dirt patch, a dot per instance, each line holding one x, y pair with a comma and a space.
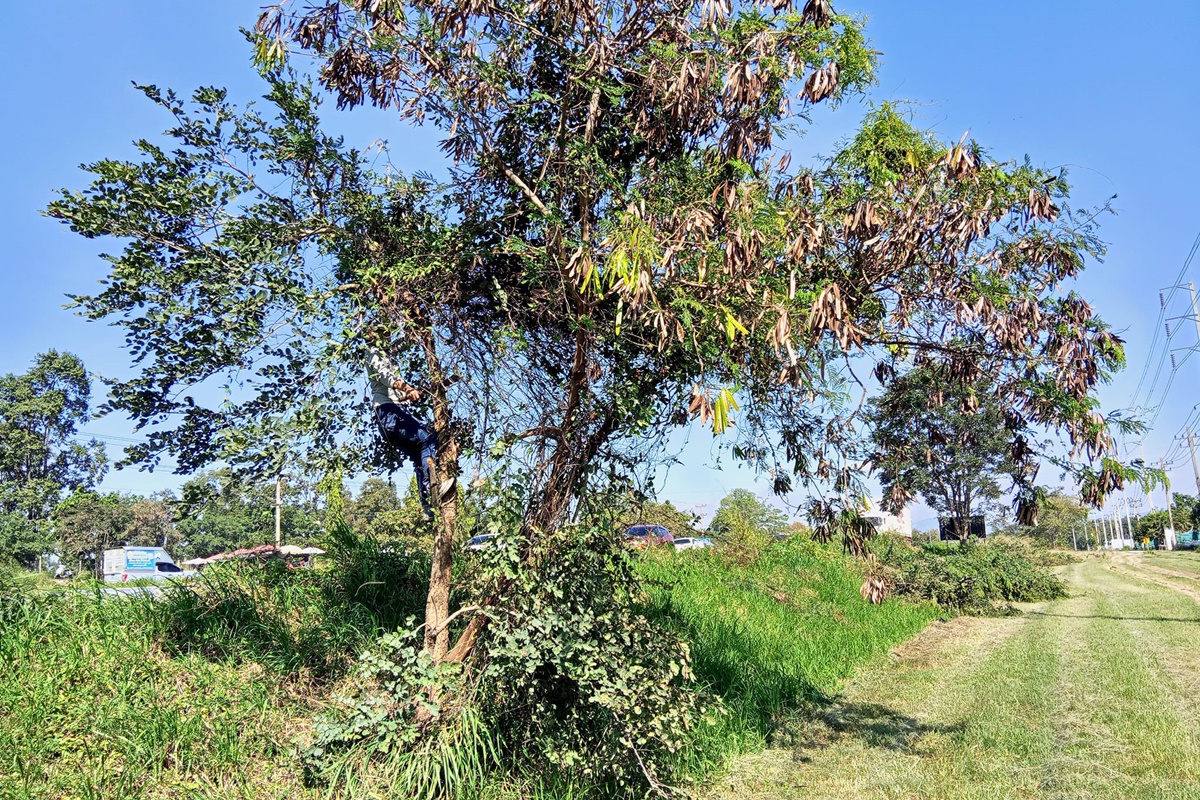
943, 642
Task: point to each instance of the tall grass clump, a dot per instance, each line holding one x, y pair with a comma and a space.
774, 632
975, 578
292, 619
91, 706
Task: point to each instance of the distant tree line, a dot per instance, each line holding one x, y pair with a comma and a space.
51, 506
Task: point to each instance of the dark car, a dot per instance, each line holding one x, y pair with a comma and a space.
643, 536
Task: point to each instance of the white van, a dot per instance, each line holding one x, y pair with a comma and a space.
125, 564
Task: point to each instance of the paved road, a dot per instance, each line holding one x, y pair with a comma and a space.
1094, 696
117, 590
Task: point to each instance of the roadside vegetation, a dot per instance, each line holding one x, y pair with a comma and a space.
262, 681
618, 251
775, 632
608, 669
93, 705
972, 577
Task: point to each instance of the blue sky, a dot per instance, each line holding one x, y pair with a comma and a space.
1105, 89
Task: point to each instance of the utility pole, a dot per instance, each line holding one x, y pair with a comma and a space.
1149, 494
1170, 516
1195, 306
278, 508
1128, 519
1195, 465
1074, 541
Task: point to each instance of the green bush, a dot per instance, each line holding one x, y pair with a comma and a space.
971, 578
569, 680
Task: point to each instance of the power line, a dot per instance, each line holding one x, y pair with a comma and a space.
1164, 303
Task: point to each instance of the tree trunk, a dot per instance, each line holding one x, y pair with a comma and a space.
437, 602
554, 500
964, 515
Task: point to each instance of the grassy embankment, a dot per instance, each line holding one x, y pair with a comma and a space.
1093, 695
104, 697
775, 637
92, 706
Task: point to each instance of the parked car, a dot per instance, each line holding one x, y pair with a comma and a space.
481, 541
692, 543
643, 536
124, 564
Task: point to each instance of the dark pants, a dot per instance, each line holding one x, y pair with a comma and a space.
410, 438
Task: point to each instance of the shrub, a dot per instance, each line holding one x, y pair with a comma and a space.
972, 578
569, 680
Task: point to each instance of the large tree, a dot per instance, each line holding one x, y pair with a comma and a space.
87, 523
377, 510
943, 441
649, 512
42, 456
22, 541
1061, 522
620, 241
742, 515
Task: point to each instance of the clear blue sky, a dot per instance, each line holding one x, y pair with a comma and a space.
1107, 89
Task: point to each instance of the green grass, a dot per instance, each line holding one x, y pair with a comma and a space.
91, 707
204, 692
1186, 561
1091, 696
776, 636
208, 692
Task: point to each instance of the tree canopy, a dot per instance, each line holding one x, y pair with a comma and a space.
678, 522
41, 458
621, 245
1062, 522
742, 514
379, 511
944, 441
218, 512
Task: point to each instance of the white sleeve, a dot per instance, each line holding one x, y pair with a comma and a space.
382, 371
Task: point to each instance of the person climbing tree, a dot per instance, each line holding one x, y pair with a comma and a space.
398, 426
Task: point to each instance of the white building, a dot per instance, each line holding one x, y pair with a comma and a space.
898, 524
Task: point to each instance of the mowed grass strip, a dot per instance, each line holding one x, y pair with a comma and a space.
1185, 561
90, 707
1069, 701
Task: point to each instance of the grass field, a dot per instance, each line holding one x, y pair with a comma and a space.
92, 707
1093, 696
99, 699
